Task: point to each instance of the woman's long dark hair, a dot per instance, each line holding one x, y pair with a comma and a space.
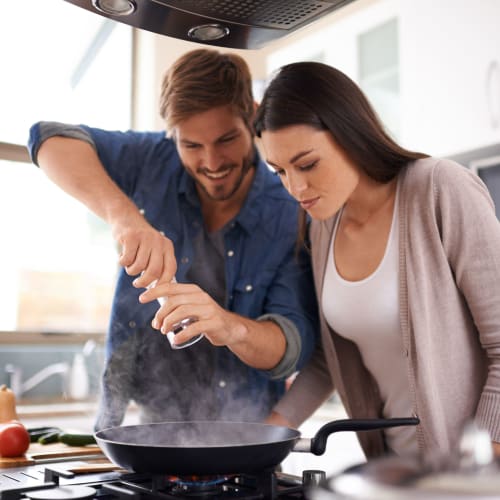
315, 94
318, 95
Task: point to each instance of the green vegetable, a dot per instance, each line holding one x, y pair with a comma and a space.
76, 439
37, 432
50, 437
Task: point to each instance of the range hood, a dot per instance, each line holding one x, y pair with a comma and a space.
238, 24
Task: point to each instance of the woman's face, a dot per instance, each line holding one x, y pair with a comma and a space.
314, 170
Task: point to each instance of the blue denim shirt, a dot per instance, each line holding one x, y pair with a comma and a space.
264, 275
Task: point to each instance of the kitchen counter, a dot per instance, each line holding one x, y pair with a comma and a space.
55, 409
75, 415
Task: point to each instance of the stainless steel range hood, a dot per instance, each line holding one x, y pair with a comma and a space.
239, 24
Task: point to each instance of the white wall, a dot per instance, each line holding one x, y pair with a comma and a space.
446, 48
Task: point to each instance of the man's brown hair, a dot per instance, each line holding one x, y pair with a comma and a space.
203, 79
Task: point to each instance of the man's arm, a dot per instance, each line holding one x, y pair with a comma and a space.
75, 167
260, 344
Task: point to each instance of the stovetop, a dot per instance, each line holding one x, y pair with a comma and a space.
55, 481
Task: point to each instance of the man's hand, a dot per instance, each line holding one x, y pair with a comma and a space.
183, 301
144, 251
260, 344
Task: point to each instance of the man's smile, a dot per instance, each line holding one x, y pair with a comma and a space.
219, 174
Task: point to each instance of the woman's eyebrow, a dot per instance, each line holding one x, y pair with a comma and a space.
293, 159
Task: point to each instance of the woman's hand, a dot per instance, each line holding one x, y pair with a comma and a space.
276, 418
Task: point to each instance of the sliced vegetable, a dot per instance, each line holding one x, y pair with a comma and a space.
14, 439
37, 432
49, 437
72, 439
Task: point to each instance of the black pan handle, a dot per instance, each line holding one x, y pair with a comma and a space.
318, 442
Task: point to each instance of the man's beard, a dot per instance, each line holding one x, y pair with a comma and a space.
246, 165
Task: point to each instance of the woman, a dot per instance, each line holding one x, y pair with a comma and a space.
406, 257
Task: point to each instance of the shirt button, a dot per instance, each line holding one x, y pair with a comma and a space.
230, 253
184, 260
132, 324
249, 288
142, 211
222, 383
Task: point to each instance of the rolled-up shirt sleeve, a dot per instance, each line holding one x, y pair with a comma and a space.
42, 131
288, 363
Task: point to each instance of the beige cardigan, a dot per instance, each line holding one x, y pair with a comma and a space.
449, 275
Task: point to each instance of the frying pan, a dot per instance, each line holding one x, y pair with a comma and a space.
200, 448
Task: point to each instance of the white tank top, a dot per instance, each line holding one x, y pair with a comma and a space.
367, 313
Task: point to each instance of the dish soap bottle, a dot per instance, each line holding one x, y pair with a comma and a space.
78, 378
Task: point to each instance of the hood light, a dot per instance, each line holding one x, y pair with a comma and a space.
208, 32
115, 7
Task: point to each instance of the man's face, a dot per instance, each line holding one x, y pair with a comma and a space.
216, 149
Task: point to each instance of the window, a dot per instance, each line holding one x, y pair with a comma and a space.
62, 63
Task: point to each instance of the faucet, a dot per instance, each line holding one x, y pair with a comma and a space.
19, 387
74, 375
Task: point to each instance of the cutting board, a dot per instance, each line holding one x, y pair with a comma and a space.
38, 451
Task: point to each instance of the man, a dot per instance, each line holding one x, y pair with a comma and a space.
201, 206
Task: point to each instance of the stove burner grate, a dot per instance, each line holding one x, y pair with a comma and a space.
262, 485
196, 484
